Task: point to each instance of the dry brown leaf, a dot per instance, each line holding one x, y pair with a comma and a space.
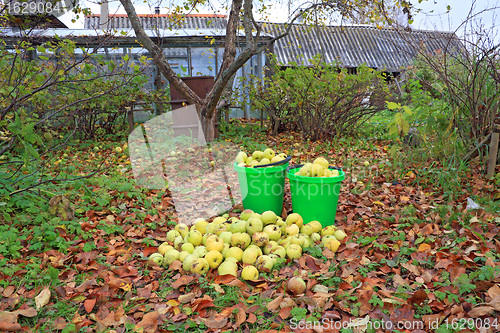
217, 321
275, 304
182, 281
89, 304
241, 316
8, 320
9, 290
495, 303
43, 298
187, 298
494, 291
149, 322
480, 311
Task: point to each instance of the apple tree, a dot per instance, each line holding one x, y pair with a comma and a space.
242, 17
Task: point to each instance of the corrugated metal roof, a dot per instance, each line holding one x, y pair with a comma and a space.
161, 21
353, 46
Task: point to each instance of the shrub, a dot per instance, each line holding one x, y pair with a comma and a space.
322, 100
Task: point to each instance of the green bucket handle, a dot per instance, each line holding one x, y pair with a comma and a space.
287, 159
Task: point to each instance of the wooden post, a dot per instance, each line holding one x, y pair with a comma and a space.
492, 162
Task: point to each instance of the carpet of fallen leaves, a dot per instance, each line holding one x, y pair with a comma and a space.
412, 257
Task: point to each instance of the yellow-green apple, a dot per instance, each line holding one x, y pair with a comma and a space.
269, 153
316, 225
326, 239
279, 251
292, 229
226, 236
245, 215
200, 225
223, 228
294, 251
339, 234
253, 246
273, 231
257, 155
260, 238
241, 157
182, 229
250, 256
178, 242
205, 237
194, 237
321, 161
297, 239
328, 230
282, 225
285, 241
241, 240
228, 267
169, 257
183, 255
296, 285
200, 251
315, 237
214, 258
188, 247
307, 242
200, 266
238, 226
333, 245
257, 215
269, 246
156, 258
264, 161
231, 259
172, 235
294, 218
268, 217
307, 229
214, 242
164, 247
264, 263
188, 262
212, 228
276, 159
234, 252
249, 273
219, 220
317, 170
274, 257
254, 225
225, 249
282, 155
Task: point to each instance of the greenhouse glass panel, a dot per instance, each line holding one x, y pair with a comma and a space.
202, 61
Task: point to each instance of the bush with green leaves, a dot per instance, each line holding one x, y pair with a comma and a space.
66, 91
322, 100
455, 93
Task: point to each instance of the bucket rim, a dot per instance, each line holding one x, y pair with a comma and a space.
316, 180
270, 169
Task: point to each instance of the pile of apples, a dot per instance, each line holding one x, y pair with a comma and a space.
255, 241
318, 168
258, 157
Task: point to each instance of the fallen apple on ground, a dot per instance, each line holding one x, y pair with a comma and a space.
252, 242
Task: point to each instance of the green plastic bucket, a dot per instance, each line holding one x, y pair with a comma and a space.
315, 198
262, 189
